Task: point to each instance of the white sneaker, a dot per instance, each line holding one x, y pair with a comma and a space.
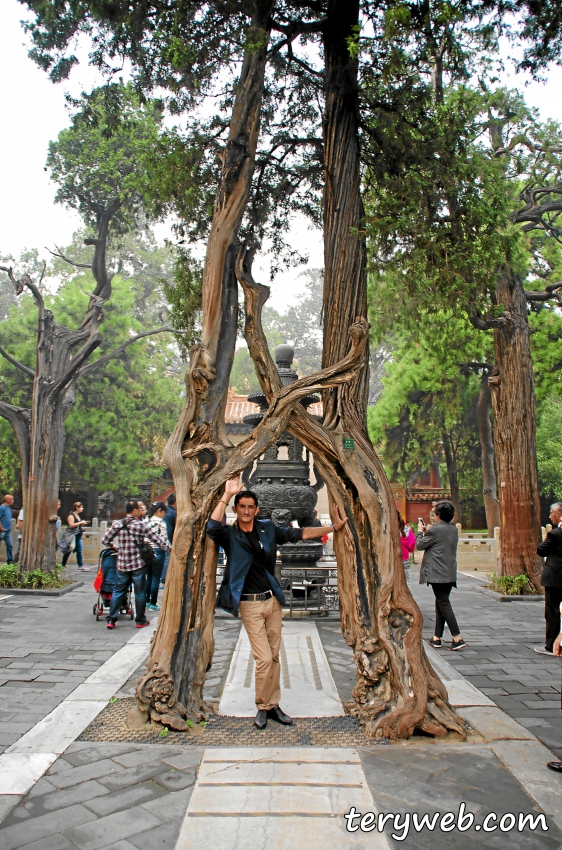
542, 651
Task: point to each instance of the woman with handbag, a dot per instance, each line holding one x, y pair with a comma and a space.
74, 529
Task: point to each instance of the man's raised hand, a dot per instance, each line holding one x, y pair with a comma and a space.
233, 486
338, 521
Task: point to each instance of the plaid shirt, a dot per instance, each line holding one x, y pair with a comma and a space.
129, 557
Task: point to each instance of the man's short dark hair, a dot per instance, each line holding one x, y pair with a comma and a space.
131, 505
445, 510
171, 499
246, 494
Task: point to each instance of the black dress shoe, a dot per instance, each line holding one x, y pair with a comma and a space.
555, 765
260, 720
280, 716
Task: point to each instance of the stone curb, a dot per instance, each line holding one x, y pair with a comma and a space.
527, 597
35, 591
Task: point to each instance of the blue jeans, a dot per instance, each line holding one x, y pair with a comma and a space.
124, 580
77, 552
165, 570
7, 538
153, 575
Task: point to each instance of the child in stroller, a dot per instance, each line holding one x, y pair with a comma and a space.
108, 567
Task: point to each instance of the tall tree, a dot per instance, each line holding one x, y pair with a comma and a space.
397, 691
96, 166
443, 231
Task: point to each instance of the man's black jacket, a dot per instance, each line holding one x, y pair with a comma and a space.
551, 548
239, 556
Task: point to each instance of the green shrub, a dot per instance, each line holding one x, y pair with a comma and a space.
511, 585
10, 576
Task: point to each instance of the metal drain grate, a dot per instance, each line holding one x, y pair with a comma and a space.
111, 725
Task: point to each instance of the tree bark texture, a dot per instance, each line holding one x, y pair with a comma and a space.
345, 290
513, 402
489, 484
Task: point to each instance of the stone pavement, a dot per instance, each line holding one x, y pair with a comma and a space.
48, 646
499, 659
120, 796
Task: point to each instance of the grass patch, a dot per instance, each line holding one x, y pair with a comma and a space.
510, 585
10, 577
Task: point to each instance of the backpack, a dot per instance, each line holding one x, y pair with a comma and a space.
145, 549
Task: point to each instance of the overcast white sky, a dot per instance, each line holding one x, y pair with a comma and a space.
32, 112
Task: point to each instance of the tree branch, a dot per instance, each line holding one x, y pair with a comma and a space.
19, 285
293, 58
550, 292
286, 399
481, 324
301, 422
58, 253
106, 357
16, 363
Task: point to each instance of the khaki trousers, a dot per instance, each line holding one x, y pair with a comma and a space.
262, 621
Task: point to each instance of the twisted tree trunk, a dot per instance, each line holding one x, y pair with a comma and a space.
198, 451
489, 484
513, 402
396, 691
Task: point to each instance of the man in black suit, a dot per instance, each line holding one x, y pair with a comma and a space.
551, 578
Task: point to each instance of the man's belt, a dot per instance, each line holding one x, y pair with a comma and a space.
256, 597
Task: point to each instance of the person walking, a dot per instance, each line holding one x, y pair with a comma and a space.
249, 587
155, 521
439, 569
551, 578
170, 523
75, 526
6, 526
130, 533
408, 543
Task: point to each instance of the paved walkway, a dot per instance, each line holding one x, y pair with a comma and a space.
121, 796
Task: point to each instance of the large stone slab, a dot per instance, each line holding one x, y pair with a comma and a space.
462, 693
287, 833
269, 799
527, 760
280, 773
308, 755
58, 729
281, 798
121, 665
20, 771
494, 724
307, 686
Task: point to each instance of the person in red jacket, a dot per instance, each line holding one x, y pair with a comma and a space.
408, 541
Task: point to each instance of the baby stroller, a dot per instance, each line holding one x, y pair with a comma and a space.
108, 567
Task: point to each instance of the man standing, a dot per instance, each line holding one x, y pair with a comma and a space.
6, 525
249, 586
131, 569
551, 578
170, 523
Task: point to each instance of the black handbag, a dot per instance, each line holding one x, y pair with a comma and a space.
145, 549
